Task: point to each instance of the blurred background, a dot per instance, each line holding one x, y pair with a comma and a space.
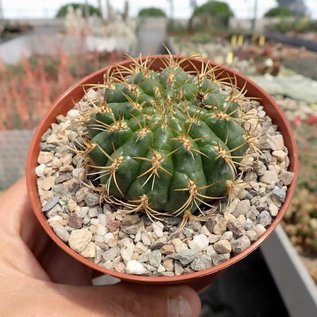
46, 46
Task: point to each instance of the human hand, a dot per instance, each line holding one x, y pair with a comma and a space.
38, 279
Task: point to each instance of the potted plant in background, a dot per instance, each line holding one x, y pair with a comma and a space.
165, 171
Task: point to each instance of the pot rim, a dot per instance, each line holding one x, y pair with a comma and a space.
48, 119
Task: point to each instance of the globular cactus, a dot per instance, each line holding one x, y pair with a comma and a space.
167, 142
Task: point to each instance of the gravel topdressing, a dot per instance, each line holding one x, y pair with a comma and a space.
132, 243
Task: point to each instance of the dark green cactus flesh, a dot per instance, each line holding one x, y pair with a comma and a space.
166, 142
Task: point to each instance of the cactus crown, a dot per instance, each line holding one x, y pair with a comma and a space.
165, 143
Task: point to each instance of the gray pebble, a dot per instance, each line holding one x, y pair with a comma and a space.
242, 208
278, 194
50, 203
92, 199
240, 244
129, 220
264, 218
63, 178
61, 232
236, 227
184, 256
200, 263
220, 258
111, 254
133, 229
155, 258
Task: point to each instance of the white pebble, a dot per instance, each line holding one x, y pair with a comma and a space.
39, 170
158, 229
127, 250
199, 243
79, 239
259, 229
89, 251
135, 267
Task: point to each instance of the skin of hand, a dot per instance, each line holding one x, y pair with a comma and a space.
38, 279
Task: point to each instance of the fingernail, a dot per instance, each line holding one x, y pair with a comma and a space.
178, 306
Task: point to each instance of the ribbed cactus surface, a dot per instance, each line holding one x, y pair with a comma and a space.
166, 142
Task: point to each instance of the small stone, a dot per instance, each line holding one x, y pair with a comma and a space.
101, 230
205, 231
161, 269
236, 227
111, 254
61, 232
73, 113
158, 228
280, 155
178, 269
157, 245
129, 220
135, 267
56, 163
109, 237
194, 225
92, 199
250, 177
277, 142
127, 249
228, 235
132, 229
155, 258
242, 194
242, 207
80, 194
79, 239
252, 235
39, 170
273, 209
140, 248
200, 263
72, 206
249, 224
240, 244
199, 243
259, 167
220, 227
168, 249
74, 221
264, 218
184, 256
82, 212
220, 258
102, 218
48, 182
45, 157
143, 257
286, 178
146, 239
269, 177
211, 251
93, 212
119, 267
214, 238
222, 246
50, 203
178, 244
62, 178
278, 194
89, 251
259, 229
168, 264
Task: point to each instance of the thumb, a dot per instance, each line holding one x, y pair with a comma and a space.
127, 300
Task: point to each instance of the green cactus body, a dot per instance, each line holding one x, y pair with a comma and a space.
166, 141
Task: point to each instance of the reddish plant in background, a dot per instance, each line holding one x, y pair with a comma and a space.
29, 88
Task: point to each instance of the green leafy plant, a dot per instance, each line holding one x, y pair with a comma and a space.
151, 12
279, 11
213, 12
91, 10
164, 143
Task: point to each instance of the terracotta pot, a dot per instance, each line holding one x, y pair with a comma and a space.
198, 280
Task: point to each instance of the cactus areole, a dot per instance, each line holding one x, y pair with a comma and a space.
168, 142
